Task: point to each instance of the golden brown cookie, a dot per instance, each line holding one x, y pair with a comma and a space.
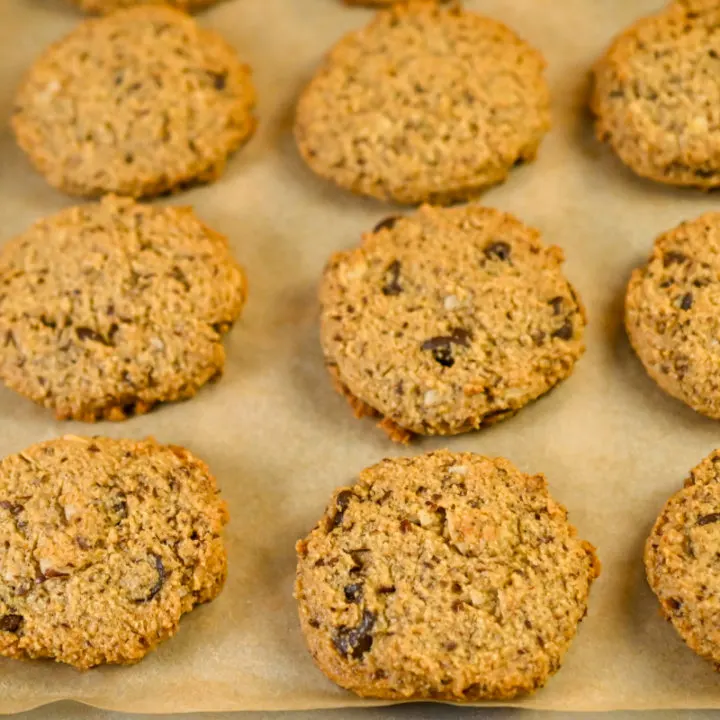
681, 558
656, 95
102, 7
108, 309
138, 103
446, 576
427, 103
448, 319
104, 545
671, 313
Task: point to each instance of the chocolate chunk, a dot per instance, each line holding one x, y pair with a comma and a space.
355, 642
498, 249
671, 257
565, 332
11, 623
702, 173
387, 224
708, 519
557, 304
341, 503
392, 275
353, 592
156, 560
686, 301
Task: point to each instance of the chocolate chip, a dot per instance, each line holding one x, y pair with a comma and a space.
671, 257
11, 623
52, 573
674, 604
617, 93
441, 345
391, 285
537, 337
386, 590
498, 249
387, 224
86, 333
219, 80
353, 592
557, 304
12, 508
405, 525
177, 274
702, 173
355, 642
565, 332
156, 560
708, 519
360, 559
341, 504
686, 301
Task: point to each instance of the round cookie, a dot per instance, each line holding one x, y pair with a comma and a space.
671, 313
104, 545
446, 576
681, 559
138, 103
108, 309
447, 320
102, 7
427, 103
656, 93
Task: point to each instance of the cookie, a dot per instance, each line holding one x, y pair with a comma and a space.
108, 309
137, 103
681, 559
656, 91
427, 103
671, 313
447, 320
446, 576
102, 7
104, 545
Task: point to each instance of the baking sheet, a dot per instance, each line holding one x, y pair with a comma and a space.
279, 439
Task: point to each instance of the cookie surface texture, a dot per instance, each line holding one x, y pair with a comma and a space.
445, 576
427, 103
102, 7
448, 319
671, 316
681, 559
138, 103
108, 309
104, 545
656, 95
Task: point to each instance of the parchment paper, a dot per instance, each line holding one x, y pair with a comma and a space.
612, 445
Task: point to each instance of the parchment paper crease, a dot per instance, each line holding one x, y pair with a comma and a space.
279, 439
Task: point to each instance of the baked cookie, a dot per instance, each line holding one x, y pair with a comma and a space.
104, 545
656, 94
427, 103
671, 313
447, 576
447, 320
108, 309
102, 7
681, 559
138, 103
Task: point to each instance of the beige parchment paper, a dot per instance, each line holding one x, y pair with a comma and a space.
279, 439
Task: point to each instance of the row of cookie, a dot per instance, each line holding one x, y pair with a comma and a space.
107, 6
439, 322
447, 576
427, 103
